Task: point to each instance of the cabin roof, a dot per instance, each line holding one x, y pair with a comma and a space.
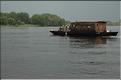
101, 22
89, 22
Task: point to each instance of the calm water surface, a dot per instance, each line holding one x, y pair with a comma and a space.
36, 53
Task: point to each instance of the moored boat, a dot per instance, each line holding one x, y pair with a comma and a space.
85, 29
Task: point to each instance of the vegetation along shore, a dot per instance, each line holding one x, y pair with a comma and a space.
23, 19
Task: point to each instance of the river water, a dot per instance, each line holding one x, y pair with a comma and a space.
34, 53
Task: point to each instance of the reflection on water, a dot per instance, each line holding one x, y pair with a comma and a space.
87, 42
100, 40
96, 56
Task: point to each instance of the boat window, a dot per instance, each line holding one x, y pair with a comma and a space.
89, 26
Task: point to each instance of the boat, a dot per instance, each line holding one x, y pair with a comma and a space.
97, 28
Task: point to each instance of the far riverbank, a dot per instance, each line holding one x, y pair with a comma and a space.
31, 25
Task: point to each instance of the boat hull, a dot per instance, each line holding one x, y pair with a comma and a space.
92, 33
60, 33
70, 33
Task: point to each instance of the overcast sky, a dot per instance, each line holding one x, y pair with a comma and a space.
70, 10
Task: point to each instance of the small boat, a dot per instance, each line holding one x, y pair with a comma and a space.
84, 29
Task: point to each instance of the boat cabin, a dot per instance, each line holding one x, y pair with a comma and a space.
99, 26
85, 29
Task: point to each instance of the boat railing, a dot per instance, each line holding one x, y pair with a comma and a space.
64, 28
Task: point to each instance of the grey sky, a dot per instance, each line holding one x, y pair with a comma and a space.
70, 10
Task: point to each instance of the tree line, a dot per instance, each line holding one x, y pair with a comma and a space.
116, 23
21, 18
45, 19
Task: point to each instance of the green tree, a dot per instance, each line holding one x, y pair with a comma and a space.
12, 15
20, 22
3, 20
11, 21
35, 19
47, 20
23, 17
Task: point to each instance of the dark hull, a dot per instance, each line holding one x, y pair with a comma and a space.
92, 33
62, 33
108, 34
